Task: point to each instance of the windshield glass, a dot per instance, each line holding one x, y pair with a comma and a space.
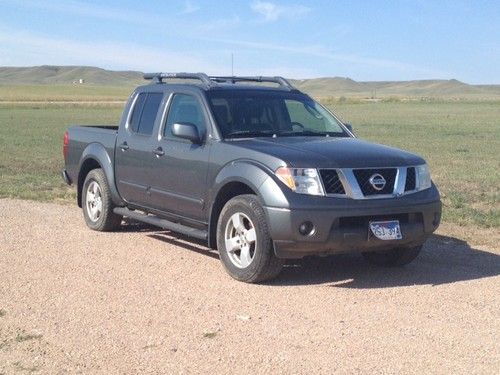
249, 113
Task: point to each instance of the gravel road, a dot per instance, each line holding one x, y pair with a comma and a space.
144, 301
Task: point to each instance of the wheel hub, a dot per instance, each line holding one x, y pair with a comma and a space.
240, 240
93, 201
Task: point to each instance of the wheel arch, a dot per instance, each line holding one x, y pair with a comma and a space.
238, 178
95, 156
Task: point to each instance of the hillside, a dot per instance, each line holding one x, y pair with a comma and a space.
318, 87
337, 87
60, 75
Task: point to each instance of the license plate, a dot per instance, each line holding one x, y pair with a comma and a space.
386, 230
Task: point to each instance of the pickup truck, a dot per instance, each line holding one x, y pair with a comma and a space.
254, 167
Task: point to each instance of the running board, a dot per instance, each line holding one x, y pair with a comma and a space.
162, 223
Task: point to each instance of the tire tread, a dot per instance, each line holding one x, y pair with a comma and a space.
269, 265
109, 221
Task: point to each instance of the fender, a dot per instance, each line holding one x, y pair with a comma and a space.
97, 152
257, 176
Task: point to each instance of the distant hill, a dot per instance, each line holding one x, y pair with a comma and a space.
318, 87
337, 87
61, 75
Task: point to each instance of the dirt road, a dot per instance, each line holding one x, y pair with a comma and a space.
138, 301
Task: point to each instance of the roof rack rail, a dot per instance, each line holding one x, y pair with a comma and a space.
159, 77
233, 79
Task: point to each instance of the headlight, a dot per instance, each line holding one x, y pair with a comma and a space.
423, 177
301, 180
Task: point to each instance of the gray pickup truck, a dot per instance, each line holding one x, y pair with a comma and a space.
254, 167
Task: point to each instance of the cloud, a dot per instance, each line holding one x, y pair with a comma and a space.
318, 51
219, 24
23, 48
189, 7
85, 9
272, 12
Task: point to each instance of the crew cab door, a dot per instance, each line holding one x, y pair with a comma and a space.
179, 185
134, 145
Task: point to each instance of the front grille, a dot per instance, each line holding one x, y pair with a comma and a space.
411, 180
363, 177
331, 181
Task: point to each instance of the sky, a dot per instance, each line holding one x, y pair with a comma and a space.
366, 40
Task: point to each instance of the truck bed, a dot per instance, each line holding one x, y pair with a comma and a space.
105, 127
80, 136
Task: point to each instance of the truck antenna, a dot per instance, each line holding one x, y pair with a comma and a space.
232, 64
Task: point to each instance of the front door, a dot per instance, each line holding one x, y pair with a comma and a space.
179, 184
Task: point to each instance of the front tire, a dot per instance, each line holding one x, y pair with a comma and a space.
245, 246
97, 204
394, 257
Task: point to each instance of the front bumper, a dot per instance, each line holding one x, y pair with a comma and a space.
344, 228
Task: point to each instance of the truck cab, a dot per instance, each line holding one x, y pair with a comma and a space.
256, 168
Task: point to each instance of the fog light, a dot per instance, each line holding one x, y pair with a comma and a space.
307, 228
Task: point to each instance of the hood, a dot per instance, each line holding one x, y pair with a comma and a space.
330, 152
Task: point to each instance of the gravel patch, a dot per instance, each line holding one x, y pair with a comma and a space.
144, 300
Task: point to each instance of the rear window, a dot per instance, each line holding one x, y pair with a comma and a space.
144, 114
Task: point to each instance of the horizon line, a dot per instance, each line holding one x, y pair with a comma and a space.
291, 78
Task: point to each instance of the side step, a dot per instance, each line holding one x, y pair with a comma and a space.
162, 223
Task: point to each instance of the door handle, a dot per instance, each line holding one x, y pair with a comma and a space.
124, 146
158, 152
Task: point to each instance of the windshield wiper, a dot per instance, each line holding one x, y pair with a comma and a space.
291, 133
248, 133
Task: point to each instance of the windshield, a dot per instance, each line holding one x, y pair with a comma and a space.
249, 113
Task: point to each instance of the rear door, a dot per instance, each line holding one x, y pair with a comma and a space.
133, 153
179, 185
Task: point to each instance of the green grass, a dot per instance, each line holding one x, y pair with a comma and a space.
44, 93
31, 147
460, 140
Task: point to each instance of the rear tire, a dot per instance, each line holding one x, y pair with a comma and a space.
97, 204
394, 257
245, 247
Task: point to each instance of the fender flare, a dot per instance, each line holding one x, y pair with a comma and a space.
96, 151
254, 175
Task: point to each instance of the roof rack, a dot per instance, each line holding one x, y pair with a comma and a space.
159, 77
213, 80
279, 80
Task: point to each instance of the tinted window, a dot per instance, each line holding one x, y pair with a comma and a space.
260, 113
310, 115
187, 109
136, 114
149, 113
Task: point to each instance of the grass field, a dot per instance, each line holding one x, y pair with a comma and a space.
31, 146
48, 93
460, 140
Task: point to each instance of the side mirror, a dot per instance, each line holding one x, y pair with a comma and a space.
349, 126
186, 130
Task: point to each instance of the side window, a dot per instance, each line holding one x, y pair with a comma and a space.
144, 113
184, 108
136, 112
